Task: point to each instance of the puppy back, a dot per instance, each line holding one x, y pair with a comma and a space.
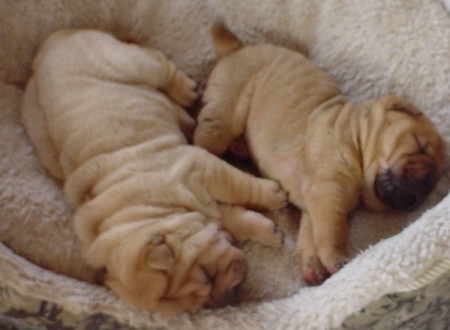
225, 42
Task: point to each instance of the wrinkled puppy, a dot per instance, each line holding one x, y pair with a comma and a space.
106, 119
327, 152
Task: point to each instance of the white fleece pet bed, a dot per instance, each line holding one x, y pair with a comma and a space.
369, 47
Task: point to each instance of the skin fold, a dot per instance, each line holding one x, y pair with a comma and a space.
158, 216
328, 153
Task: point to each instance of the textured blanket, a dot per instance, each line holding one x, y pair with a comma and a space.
369, 47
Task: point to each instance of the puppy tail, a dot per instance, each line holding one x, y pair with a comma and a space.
225, 42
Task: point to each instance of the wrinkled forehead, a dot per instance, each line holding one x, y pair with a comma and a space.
401, 126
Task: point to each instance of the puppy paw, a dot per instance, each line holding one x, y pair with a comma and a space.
182, 89
334, 268
333, 261
316, 269
256, 227
272, 236
314, 273
278, 197
189, 95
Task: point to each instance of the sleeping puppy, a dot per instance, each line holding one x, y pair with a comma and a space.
328, 153
155, 213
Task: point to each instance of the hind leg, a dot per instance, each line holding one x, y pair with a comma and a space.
131, 64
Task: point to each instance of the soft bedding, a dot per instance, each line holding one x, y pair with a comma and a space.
370, 47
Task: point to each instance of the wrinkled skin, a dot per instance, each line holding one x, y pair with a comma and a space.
328, 153
159, 216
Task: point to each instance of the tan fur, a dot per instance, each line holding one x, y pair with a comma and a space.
106, 119
328, 153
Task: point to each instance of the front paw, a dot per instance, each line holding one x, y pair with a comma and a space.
183, 90
278, 196
271, 235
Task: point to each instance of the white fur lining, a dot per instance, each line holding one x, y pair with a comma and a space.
369, 47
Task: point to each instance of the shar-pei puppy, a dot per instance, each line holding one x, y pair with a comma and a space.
328, 153
154, 213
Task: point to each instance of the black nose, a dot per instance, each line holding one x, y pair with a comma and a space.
429, 183
232, 294
406, 194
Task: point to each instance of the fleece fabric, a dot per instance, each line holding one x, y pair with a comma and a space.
369, 47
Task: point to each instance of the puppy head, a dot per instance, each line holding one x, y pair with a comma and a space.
405, 157
170, 271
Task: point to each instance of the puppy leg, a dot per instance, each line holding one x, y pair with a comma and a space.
311, 266
135, 65
230, 185
324, 228
166, 76
222, 120
245, 224
178, 85
330, 229
213, 131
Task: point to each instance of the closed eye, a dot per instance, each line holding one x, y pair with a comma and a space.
422, 148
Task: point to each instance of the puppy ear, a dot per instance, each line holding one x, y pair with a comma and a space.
396, 103
225, 42
159, 256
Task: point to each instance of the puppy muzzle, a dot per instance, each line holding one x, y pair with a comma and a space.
406, 193
223, 295
229, 298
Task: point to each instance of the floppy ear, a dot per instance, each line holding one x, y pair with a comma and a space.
159, 256
396, 103
225, 42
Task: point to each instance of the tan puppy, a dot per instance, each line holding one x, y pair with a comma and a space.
327, 152
105, 118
